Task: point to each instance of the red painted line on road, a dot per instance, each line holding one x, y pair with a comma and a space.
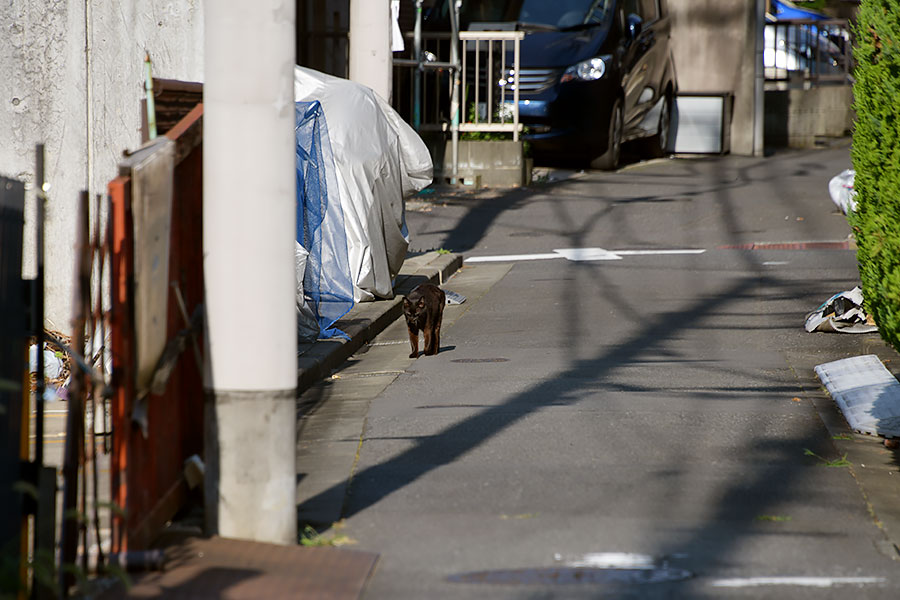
845, 245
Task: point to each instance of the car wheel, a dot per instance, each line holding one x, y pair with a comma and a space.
609, 160
658, 145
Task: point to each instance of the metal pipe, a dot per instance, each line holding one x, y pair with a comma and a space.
417, 74
516, 91
151, 102
74, 444
89, 96
40, 381
465, 72
139, 560
759, 93
489, 80
454, 90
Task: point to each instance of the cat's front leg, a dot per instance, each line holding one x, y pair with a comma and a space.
429, 339
436, 339
414, 343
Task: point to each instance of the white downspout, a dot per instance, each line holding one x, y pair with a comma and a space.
759, 93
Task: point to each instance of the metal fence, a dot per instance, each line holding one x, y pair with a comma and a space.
490, 81
807, 53
475, 88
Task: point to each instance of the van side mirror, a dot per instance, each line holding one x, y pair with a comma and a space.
634, 24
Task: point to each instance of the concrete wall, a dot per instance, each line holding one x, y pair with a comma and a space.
799, 118
713, 43
71, 76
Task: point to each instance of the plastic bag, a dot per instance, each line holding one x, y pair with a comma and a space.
841, 189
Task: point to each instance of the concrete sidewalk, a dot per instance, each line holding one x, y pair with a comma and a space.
199, 567
367, 319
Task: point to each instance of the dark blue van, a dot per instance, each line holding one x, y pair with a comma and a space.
593, 73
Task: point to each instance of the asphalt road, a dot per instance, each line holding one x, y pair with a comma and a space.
652, 412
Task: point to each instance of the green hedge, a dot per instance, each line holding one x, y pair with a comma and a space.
876, 159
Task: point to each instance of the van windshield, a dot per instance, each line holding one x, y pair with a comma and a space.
561, 14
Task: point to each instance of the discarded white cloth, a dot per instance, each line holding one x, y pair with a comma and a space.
842, 313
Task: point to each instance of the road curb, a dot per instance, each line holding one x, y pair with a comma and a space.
367, 319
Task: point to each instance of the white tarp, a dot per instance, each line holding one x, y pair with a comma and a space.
379, 159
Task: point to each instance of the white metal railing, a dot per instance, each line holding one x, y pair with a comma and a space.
482, 63
487, 90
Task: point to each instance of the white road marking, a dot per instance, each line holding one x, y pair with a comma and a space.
817, 582
582, 254
511, 257
613, 560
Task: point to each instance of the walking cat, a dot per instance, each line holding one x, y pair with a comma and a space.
424, 309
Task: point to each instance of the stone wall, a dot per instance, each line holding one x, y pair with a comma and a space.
800, 118
71, 77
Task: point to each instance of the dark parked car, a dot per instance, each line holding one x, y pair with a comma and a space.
593, 73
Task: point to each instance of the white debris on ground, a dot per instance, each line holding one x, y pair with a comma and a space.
841, 189
842, 313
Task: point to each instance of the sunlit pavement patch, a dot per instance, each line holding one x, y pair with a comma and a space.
574, 575
841, 245
609, 568
817, 582
584, 254
479, 360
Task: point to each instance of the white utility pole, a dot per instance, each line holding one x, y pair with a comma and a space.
370, 45
249, 208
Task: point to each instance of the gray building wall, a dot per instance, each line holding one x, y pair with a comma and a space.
713, 43
71, 77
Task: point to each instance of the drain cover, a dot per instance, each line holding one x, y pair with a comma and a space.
574, 575
479, 360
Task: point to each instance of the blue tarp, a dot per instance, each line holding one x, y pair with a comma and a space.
782, 10
327, 283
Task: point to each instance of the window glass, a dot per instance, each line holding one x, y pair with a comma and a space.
557, 13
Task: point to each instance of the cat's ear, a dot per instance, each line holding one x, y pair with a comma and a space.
421, 302
405, 301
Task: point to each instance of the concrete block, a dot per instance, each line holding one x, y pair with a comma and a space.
796, 118
497, 163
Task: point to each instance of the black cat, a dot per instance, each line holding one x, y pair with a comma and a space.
424, 309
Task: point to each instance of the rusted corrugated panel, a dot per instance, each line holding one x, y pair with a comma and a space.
147, 472
237, 570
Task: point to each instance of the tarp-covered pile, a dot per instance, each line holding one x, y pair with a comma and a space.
351, 188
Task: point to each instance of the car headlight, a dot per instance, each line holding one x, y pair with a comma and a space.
588, 70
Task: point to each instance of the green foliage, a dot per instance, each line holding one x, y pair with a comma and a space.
492, 136
836, 463
774, 518
311, 538
876, 159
